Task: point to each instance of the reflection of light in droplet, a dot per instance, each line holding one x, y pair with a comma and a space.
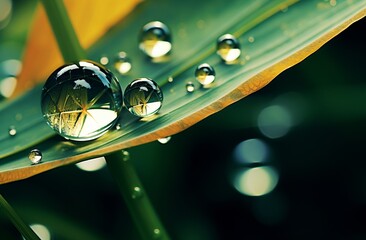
42, 231
11, 67
7, 86
251, 151
256, 181
274, 121
164, 140
92, 164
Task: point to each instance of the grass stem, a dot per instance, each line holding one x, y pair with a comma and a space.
18, 222
138, 203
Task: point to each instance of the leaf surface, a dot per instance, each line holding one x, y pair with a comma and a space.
273, 37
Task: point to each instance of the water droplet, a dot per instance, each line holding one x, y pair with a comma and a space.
157, 233
12, 131
118, 126
164, 140
35, 156
126, 155
228, 48
137, 193
170, 79
143, 97
122, 63
251, 39
81, 101
104, 60
205, 74
155, 39
190, 87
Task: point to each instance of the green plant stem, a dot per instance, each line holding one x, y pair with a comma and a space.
138, 203
23, 228
63, 30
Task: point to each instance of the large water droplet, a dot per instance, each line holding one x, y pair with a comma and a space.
205, 74
155, 39
164, 140
81, 101
122, 63
143, 97
228, 48
137, 193
190, 87
12, 131
35, 156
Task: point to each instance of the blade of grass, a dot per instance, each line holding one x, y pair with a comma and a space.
63, 30
18, 222
138, 203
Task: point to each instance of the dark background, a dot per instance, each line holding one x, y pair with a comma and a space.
321, 192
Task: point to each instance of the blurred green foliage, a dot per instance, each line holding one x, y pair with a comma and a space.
321, 191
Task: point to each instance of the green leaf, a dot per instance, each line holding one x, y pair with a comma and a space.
273, 38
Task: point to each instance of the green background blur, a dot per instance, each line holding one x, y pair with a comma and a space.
320, 194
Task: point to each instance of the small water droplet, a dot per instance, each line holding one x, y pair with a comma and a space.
143, 97
228, 48
126, 155
251, 39
118, 126
164, 140
205, 74
12, 131
190, 87
157, 233
122, 63
137, 193
35, 156
81, 101
170, 79
104, 60
155, 39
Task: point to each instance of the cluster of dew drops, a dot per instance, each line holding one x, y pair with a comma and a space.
81, 101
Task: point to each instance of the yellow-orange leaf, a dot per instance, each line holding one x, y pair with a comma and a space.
90, 20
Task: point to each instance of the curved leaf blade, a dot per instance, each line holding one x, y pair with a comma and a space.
281, 40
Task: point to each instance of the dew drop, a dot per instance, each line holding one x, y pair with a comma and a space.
157, 233
104, 60
228, 48
190, 87
126, 156
118, 126
164, 140
12, 131
81, 101
143, 97
155, 39
137, 193
35, 156
251, 39
122, 63
170, 79
205, 74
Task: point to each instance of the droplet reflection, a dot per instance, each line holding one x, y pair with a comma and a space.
92, 165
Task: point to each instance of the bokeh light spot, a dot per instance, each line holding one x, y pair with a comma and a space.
42, 231
251, 151
274, 121
256, 181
